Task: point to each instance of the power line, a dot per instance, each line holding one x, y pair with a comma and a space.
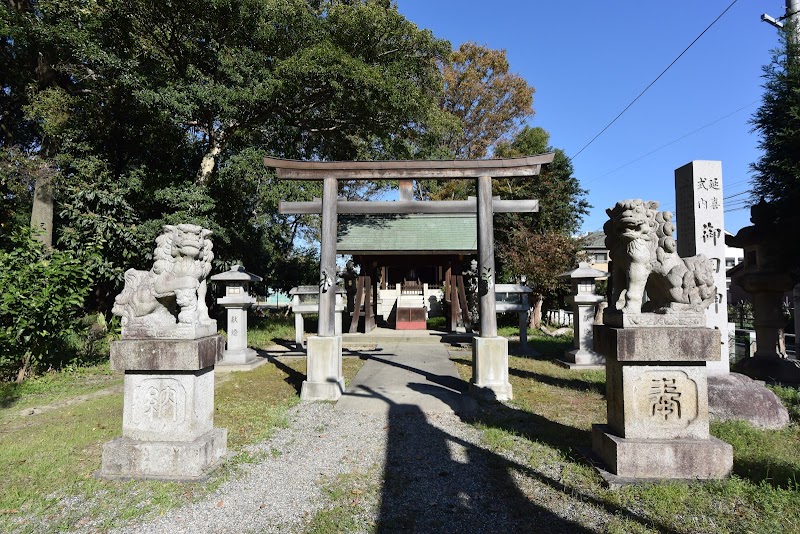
675, 141
653, 82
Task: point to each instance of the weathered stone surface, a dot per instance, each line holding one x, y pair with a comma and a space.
134, 330
168, 301
700, 222
644, 259
165, 460
490, 368
657, 344
738, 397
631, 320
653, 459
583, 357
242, 357
324, 379
166, 354
173, 406
657, 401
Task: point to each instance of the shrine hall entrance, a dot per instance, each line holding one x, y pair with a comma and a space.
414, 263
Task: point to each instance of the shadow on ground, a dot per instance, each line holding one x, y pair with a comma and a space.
437, 482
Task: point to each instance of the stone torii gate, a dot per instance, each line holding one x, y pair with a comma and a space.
324, 379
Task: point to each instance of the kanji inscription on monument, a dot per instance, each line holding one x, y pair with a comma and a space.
701, 229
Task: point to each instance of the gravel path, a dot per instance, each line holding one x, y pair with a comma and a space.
406, 472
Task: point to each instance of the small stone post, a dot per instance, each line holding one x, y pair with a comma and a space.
583, 300
237, 301
168, 408
489, 351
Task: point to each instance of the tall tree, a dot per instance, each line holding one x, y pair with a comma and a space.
155, 113
491, 102
776, 176
540, 245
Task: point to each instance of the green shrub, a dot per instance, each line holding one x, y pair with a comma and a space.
41, 297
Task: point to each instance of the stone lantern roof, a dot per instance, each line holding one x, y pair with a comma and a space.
236, 274
584, 271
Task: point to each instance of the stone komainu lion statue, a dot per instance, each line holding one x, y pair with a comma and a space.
175, 284
643, 252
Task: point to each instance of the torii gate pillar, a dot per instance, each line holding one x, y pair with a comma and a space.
324, 379
489, 351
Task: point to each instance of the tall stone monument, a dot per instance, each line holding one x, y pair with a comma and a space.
656, 354
168, 350
701, 230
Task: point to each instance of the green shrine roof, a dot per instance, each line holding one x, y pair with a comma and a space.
413, 233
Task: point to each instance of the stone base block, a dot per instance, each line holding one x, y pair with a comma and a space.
662, 459
238, 357
166, 354
147, 330
668, 344
125, 458
324, 379
172, 406
490, 368
667, 401
583, 357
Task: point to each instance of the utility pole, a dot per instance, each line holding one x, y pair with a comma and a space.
792, 15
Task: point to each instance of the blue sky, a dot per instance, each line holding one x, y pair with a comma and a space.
588, 60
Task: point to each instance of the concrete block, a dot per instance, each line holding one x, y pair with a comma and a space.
324, 379
490, 368
168, 406
243, 356
667, 401
657, 344
125, 458
166, 354
653, 459
583, 357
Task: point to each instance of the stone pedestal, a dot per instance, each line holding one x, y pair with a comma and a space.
168, 410
657, 393
583, 354
490, 368
237, 352
324, 379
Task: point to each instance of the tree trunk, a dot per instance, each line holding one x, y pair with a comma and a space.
536, 312
208, 164
42, 212
26, 362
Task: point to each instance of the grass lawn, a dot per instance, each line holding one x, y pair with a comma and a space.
549, 423
49, 458
50, 446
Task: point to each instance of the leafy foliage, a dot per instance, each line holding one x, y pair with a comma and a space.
41, 299
490, 101
777, 172
145, 113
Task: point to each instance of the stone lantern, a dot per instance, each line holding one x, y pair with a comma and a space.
766, 277
237, 300
583, 300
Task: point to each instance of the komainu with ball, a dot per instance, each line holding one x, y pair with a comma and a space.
645, 261
169, 299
